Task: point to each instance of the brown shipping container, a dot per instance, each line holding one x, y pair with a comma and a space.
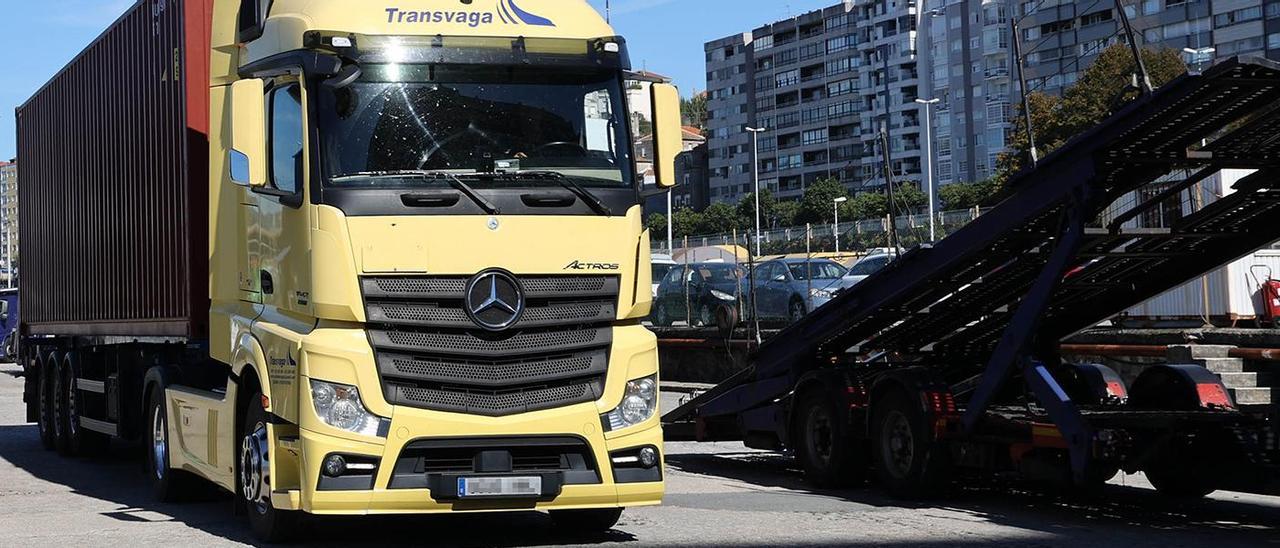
113, 197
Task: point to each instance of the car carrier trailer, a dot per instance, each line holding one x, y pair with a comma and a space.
948, 361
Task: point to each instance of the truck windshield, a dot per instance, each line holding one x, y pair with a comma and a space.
476, 119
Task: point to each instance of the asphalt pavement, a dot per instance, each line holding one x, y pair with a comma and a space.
719, 494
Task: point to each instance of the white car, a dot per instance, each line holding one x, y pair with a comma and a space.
662, 264
860, 270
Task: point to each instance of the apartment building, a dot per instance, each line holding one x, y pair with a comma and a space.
8, 216
1062, 37
824, 85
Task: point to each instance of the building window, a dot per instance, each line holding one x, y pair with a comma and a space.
815, 137
763, 42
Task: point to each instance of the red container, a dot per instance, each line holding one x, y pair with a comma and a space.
114, 192
1271, 301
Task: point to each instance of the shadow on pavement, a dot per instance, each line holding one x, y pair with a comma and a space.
117, 477
1019, 505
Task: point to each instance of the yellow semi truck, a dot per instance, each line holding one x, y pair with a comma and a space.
349, 258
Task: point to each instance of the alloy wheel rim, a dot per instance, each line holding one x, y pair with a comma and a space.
159, 443
254, 468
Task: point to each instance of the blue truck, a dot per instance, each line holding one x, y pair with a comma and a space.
949, 360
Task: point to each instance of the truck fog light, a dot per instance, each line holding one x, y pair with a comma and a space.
335, 466
339, 406
638, 405
648, 457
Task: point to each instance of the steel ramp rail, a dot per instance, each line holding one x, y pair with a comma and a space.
953, 301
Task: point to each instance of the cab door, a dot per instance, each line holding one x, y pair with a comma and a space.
281, 250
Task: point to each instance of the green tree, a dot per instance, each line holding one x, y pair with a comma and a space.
657, 225
1101, 90
908, 198
964, 195
693, 111
685, 222
866, 205
718, 218
818, 203
785, 214
746, 210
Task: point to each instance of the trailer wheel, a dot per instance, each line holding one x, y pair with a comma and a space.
908, 462
44, 385
80, 442
1178, 472
58, 394
828, 455
587, 521
269, 524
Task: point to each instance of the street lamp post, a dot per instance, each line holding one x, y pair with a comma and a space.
1198, 57
836, 227
755, 174
928, 165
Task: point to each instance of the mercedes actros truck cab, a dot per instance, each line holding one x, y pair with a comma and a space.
350, 258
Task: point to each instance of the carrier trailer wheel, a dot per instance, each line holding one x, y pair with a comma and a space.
909, 463
829, 456
80, 442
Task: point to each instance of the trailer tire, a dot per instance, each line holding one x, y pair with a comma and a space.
58, 394
1177, 473
80, 442
596, 520
909, 463
44, 388
829, 456
253, 474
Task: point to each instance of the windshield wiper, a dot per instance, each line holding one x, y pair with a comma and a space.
569, 184
453, 180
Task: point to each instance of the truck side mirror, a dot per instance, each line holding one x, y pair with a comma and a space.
248, 156
668, 138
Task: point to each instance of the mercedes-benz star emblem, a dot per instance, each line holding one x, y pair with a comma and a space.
495, 300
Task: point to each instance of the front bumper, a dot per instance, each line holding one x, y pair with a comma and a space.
408, 426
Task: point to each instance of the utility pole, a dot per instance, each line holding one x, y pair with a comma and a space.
1022, 85
1144, 81
888, 178
608, 12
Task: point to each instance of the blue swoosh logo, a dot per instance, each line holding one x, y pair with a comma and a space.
526, 17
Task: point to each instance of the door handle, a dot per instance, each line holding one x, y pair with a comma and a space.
268, 284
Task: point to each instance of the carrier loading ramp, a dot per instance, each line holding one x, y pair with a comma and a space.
995, 298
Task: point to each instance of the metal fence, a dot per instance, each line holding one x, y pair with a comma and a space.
820, 238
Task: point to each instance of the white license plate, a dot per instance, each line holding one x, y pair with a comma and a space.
500, 487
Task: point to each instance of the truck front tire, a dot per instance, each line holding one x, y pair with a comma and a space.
587, 521
269, 524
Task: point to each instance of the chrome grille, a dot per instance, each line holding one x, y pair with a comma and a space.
431, 356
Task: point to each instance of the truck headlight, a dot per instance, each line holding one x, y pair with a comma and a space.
638, 404
722, 295
339, 406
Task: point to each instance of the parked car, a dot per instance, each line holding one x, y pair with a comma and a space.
791, 288
694, 292
8, 324
662, 264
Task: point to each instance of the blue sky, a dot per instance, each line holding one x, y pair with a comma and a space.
38, 37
